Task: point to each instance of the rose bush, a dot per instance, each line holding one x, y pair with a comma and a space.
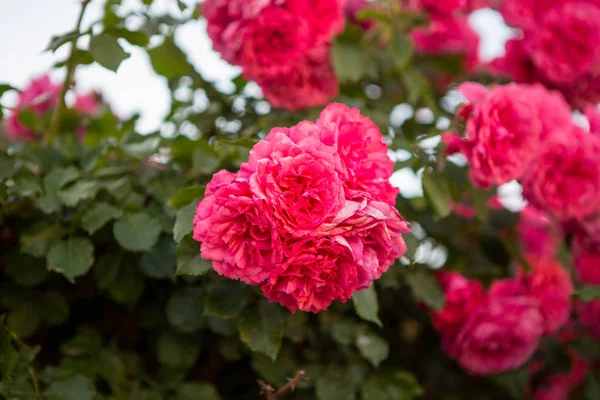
387, 218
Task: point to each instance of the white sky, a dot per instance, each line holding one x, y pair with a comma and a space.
135, 87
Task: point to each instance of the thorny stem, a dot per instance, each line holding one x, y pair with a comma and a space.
71, 66
270, 392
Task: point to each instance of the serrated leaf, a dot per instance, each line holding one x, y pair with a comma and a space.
347, 62
366, 305
177, 351
73, 388
137, 231
54, 308
71, 258
80, 190
128, 287
137, 38
24, 269
226, 301
143, 149
336, 383
37, 239
372, 347
7, 165
98, 216
24, 320
262, 328
189, 261
401, 48
426, 289
160, 261
106, 51
28, 118
205, 159
592, 387
184, 222
437, 194
186, 195
588, 293
57, 41
107, 269
169, 61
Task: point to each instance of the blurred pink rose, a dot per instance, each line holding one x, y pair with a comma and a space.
586, 258
538, 234
87, 103
502, 334
564, 178
463, 298
40, 96
590, 317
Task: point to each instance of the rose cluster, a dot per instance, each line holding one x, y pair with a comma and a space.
311, 216
499, 330
283, 45
41, 97
558, 46
525, 132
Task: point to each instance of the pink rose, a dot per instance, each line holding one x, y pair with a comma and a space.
87, 104
362, 151
40, 96
438, 6
564, 178
311, 82
550, 283
516, 63
502, 135
537, 233
502, 334
234, 232
448, 34
564, 46
586, 258
274, 42
296, 180
590, 317
315, 273
558, 386
325, 16
526, 13
463, 297
354, 7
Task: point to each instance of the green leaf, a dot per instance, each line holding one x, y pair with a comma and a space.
106, 51
366, 305
588, 293
185, 309
71, 258
25, 270
183, 223
336, 383
514, 382
107, 269
412, 244
5, 88
57, 41
53, 307
74, 388
197, 391
391, 385
37, 239
189, 261
592, 387
401, 48
426, 289
98, 216
128, 287
416, 84
7, 165
169, 61
28, 118
205, 160
143, 149
24, 320
177, 351
8, 354
262, 328
80, 190
347, 62
160, 261
137, 38
58, 177
437, 194
137, 231
372, 347
187, 195
226, 301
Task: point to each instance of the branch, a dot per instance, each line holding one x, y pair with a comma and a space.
71, 66
270, 392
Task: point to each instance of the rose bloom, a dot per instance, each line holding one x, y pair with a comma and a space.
310, 82
586, 258
537, 233
502, 135
325, 16
516, 63
564, 46
564, 178
296, 180
367, 166
550, 283
274, 42
40, 96
502, 334
314, 274
87, 103
234, 233
558, 386
448, 34
463, 298
589, 316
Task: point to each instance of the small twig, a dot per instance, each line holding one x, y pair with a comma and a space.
71, 66
271, 394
